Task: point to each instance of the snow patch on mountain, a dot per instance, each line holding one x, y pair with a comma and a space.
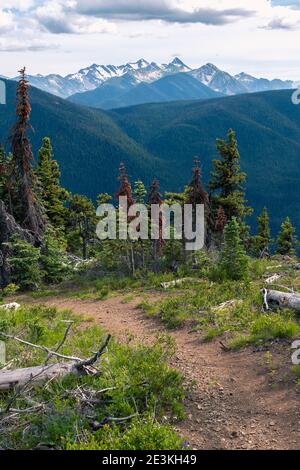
142, 71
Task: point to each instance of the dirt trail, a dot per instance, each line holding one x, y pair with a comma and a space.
232, 405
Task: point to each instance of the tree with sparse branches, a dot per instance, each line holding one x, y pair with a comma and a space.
27, 209
261, 242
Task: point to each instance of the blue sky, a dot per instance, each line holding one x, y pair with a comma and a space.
62, 36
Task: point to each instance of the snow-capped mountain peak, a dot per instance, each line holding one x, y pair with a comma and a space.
218, 80
254, 84
94, 76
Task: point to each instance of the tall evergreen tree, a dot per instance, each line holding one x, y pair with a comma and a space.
53, 195
26, 208
286, 241
262, 240
233, 260
82, 223
227, 181
139, 192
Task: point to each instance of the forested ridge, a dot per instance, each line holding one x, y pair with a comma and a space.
161, 140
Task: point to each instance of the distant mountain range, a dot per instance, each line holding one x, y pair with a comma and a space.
110, 86
161, 140
123, 91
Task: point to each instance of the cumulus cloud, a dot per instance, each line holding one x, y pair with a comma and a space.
6, 21
60, 18
281, 23
137, 10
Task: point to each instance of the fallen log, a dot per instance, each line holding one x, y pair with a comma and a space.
278, 299
35, 375
20, 378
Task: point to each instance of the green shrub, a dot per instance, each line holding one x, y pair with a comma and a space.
53, 259
145, 435
136, 378
234, 263
24, 264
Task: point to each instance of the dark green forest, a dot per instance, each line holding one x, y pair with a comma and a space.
161, 140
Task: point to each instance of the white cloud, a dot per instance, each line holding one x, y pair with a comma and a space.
58, 17
6, 21
260, 33
32, 45
165, 10
280, 23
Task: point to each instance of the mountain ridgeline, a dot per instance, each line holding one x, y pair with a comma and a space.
115, 86
123, 92
161, 140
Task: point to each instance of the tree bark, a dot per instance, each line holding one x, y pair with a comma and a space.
36, 375
282, 299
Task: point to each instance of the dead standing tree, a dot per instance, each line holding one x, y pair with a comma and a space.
125, 191
26, 208
196, 195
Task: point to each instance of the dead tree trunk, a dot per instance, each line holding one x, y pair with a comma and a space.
273, 299
20, 378
35, 375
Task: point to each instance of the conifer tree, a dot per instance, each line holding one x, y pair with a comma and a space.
195, 192
233, 260
26, 208
262, 240
139, 192
24, 264
155, 197
220, 221
103, 198
218, 227
125, 189
82, 222
53, 195
286, 241
227, 181
53, 259
196, 195
128, 249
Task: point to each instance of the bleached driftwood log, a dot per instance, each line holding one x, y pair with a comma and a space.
274, 298
35, 375
40, 374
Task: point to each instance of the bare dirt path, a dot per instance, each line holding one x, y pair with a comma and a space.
232, 404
